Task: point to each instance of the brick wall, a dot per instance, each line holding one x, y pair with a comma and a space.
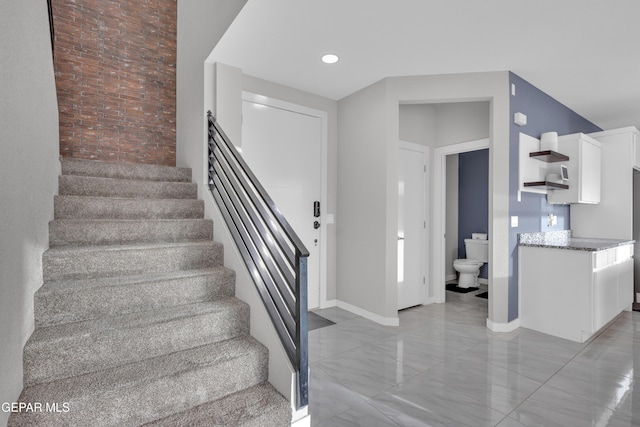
115, 67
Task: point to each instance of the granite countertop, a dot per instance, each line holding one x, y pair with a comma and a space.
564, 240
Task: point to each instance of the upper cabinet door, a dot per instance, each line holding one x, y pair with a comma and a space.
590, 171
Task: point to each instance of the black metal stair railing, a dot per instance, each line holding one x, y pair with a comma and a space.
51, 28
271, 250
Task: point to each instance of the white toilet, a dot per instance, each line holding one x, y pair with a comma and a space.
477, 254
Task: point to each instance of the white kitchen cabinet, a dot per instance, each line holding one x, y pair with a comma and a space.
584, 167
613, 217
605, 297
572, 294
636, 150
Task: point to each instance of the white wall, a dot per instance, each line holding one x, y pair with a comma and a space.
369, 125
451, 243
461, 122
418, 123
226, 97
201, 24
362, 202
29, 168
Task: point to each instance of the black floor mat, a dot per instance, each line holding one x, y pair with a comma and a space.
484, 295
453, 287
315, 321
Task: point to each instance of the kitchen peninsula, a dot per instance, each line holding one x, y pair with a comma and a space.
571, 287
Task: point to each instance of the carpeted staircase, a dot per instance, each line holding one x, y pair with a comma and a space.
137, 323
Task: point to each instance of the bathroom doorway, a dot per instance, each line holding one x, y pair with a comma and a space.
446, 214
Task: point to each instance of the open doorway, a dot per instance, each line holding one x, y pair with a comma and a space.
447, 211
466, 225
447, 128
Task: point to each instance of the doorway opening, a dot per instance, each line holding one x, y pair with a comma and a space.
467, 224
446, 128
447, 224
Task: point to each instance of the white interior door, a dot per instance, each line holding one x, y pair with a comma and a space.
412, 222
283, 148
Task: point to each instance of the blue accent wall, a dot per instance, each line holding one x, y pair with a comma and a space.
473, 198
544, 114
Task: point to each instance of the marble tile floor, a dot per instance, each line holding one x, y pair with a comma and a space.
443, 367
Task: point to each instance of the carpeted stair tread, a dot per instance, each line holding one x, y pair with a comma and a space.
135, 171
69, 232
258, 406
89, 207
78, 348
76, 262
145, 390
67, 301
136, 321
111, 187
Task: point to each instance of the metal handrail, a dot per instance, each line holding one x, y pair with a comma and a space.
272, 252
51, 27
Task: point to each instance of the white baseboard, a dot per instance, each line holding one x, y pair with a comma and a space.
302, 422
503, 327
386, 321
328, 304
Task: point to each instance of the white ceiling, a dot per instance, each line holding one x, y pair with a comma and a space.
581, 52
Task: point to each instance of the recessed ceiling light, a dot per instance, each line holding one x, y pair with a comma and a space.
330, 58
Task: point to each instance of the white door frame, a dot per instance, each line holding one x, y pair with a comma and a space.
426, 151
439, 211
323, 116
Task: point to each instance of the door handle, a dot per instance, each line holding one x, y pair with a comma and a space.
400, 238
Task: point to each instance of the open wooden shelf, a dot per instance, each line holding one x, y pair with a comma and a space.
549, 156
546, 185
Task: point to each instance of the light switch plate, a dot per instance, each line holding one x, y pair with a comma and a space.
514, 221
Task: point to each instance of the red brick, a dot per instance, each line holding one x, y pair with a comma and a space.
115, 76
